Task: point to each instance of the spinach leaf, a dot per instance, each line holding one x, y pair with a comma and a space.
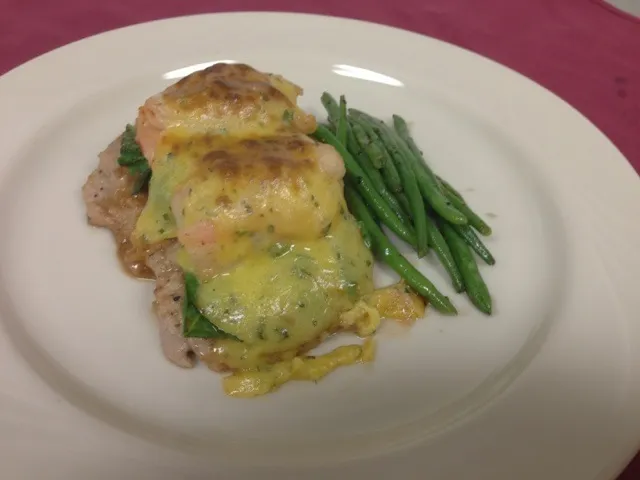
132, 158
194, 323
142, 182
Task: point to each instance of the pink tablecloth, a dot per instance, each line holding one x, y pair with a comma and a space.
584, 51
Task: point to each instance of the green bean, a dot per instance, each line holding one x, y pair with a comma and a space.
401, 127
373, 198
352, 144
333, 112
332, 108
342, 121
333, 115
426, 178
470, 237
389, 171
378, 183
474, 219
417, 209
356, 149
404, 203
390, 174
372, 148
392, 257
447, 187
412, 191
474, 284
328, 126
439, 245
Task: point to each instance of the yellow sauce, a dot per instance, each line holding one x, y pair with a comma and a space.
255, 382
397, 302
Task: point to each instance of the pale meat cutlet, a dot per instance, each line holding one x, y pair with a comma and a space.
110, 204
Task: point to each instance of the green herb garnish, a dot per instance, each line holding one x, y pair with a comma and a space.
132, 158
301, 272
195, 324
287, 116
278, 249
351, 288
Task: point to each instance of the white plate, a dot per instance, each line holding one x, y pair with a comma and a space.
549, 387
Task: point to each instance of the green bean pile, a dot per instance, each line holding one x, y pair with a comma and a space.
389, 183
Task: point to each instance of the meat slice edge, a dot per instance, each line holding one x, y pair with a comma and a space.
110, 204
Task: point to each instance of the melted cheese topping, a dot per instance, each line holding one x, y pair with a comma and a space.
255, 382
234, 99
224, 99
397, 302
259, 212
267, 233
223, 196
287, 296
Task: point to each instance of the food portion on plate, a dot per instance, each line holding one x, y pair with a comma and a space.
232, 199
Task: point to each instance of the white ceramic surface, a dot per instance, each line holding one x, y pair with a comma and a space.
548, 387
630, 6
